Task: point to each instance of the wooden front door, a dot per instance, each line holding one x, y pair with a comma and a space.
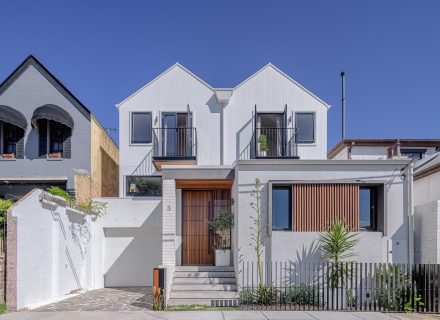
197, 239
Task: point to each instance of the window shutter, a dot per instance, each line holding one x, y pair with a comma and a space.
19, 146
67, 145
42, 133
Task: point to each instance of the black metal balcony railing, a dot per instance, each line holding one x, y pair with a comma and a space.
274, 143
174, 143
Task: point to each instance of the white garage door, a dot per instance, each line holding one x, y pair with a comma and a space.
130, 256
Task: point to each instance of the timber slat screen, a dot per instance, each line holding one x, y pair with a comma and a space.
347, 286
317, 205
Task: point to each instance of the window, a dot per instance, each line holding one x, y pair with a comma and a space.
141, 127
10, 137
56, 137
143, 186
368, 208
305, 127
282, 208
415, 154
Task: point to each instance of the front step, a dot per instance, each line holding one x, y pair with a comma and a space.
205, 285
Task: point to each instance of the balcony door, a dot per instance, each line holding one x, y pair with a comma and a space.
176, 134
271, 128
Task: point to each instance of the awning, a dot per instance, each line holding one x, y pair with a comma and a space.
52, 112
12, 116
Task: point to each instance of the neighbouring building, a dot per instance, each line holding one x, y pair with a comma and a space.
198, 149
49, 138
373, 149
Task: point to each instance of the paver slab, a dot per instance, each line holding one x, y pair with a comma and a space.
287, 315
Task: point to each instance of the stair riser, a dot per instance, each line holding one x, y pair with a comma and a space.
203, 287
204, 281
203, 302
204, 269
204, 295
204, 274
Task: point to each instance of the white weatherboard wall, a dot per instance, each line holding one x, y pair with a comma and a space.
172, 91
270, 90
426, 232
128, 242
302, 246
54, 251
427, 189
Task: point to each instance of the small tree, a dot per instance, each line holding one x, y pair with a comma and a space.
262, 141
257, 241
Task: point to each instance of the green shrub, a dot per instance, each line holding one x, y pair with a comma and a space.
300, 294
56, 191
93, 206
4, 206
267, 295
262, 141
3, 308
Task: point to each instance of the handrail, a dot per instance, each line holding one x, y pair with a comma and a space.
174, 143
272, 142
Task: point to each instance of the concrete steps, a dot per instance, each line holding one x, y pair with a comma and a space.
205, 285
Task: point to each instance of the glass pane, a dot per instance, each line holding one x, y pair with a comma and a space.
365, 207
141, 128
56, 133
305, 125
141, 186
281, 209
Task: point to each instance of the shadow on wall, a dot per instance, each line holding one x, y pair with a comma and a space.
131, 253
32, 144
243, 134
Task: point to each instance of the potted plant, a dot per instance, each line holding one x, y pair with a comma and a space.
8, 155
222, 225
262, 143
56, 155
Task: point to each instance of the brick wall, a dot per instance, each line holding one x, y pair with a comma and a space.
82, 187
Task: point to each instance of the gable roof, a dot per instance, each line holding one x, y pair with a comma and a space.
32, 61
176, 65
427, 166
270, 65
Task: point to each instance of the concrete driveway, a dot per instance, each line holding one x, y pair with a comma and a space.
211, 315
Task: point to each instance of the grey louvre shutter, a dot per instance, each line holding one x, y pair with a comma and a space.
67, 144
42, 134
19, 146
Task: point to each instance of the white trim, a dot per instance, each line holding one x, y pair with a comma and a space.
176, 65
345, 162
34, 178
270, 65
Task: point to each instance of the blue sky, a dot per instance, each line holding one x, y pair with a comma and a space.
105, 50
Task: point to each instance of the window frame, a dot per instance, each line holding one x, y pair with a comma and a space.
421, 151
126, 191
132, 142
314, 127
290, 209
374, 213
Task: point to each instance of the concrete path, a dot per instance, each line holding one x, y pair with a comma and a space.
211, 315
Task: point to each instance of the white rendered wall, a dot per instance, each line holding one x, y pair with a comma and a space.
426, 232
127, 244
270, 91
427, 189
54, 251
170, 92
296, 246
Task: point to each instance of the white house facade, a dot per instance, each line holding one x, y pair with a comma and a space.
200, 150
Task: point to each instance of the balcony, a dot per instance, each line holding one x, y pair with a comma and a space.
274, 143
174, 146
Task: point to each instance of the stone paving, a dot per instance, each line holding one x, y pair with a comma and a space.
107, 299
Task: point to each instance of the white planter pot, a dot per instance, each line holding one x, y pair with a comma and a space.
223, 258
263, 153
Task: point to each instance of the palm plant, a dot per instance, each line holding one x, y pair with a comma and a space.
337, 245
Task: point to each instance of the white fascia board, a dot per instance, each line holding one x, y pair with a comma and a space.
270, 65
33, 178
322, 162
177, 64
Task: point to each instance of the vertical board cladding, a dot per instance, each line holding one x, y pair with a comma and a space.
317, 205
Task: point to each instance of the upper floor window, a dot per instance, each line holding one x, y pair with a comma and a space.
54, 139
305, 127
9, 137
141, 127
415, 154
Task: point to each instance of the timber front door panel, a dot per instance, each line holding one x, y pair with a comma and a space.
196, 236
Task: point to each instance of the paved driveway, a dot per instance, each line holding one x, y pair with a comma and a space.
108, 299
